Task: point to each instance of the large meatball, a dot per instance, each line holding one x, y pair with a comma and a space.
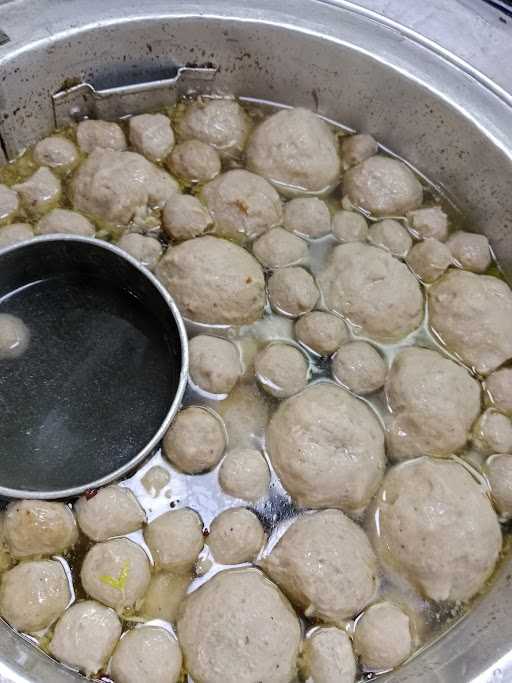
390, 235
499, 388
194, 161
360, 367
244, 474
147, 250
281, 369
349, 226
66, 223
112, 511
357, 148
91, 135
150, 654
292, 291
472, 315
151, 135
307, 216
321, 332
296, 151
39, 192
195, 441
175, 540
56, 152
498, 469
383, 638
214, 281
328, 657
429, 259
184, 217
9, 203
214, 364
278, 249
434, 525
14, 337
325, 564
374, 290
327, 448
15, 233
470, 251
164, 596
239, 628
236, 536
492, 433
434, 402
429, 222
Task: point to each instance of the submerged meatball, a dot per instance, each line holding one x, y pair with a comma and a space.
470, 251
321, 332
492, 433
245, 415
85, 636
281, 369
391, 235
39, 192
150, 654
112, 511
194, 161
498, 469
357, 148
278, 249
327, 448
296, 151
147, 250
328, 657
382, 637
175, 540
324, 563
360, 367
164, 596
434, 525
239, 628
195, 441
244, 474
65, 222
307, 216
9, 203
103, 134
499, 388
184, 217
429, 259
429, 222
236, 536
292, 291
373, 290
155, 479
214, 364
151, 135
14, 337
349, 226
15, 233
56, 152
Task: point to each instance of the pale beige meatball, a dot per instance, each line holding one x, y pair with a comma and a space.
150, 654
307, 216
56, 152
328, 657
14, 337
470, 250
492, 433
112, 511
151, 135
91, 135
5, 556
382, 638
239, 628
429, 259
321, 332
194, 161
390, 235
236, 536
245, 413
281, 369
357, 148
499, 388
184, 217
349, 226
85, 636
325, 564
214, 364
155, 479
195, 441
15, 233
65, 222
175, 540
498, 469
292, 291
164, 596
277, 248
429, 222
39, 192
244, 474
373, 290
9, 203
116, 573
434, 525
360, 367
34, 594
143, 248
327, 448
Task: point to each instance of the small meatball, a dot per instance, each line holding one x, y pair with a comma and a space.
236, 536
470, 251
245, 413
9, 203
214, 281
66, 223
372, 290
40, 191
150, 654
112, 511
278, 249
34, 594
194, 161
14, 337
155, 480
499, 388
244, 474
91, 135
184, 217
15, 233
383, 186
175, 540
151, 135
360, 367
147, 250
434, 402
498, 469
56, 152
357, 148
472, 315
492, 433
429, 222
349, 226
382, 637
164, 596
195, 441
429, 259
328, 657
116, 573
391, 235
321, 332
281, 369
239, 628
203, 566
324, 563
214, 364
296, 151
307, 216
292, 291
320, 423
220, 123
85, 636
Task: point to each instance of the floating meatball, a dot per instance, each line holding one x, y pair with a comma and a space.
85, 636
498, 469
112, 511
434, 525
195, 441
472, 315
321, 332
151, 135
499, 388
429, 259
281, 369
175, 540
245, 415
214, 364
66, 223
164, 596
277, 248
15, 233
382, 637
34, 594
244, 474
360, 367
194, 161
56, 152
91, 135
147, 250
184, 217
9, 203
328, 657
292, 291
307, 216
429, 222
296, 151
492, 433
116, 573
327, 448
149, 654
325, 564
14, 337
155, 480
239, 628
470, 251
40, 191
357, 148
236, 536
391, 235
349, 226
434, 402
373, 290
214, 281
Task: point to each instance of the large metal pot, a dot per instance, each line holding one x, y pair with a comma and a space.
445, 118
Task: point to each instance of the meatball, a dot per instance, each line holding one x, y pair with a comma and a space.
321, 332
245, 415
214, 281
292, 291
147, 250
236, 536
175, 540
39, 192
149, 654
85, 636
116, 573
164, 596
15, 233
34, 594
472, 315
214, 364
434, 525
5, 555
360, 367
470, 251
498, 469
296, 151
307, 216
56, 152
429, 222
239, 628
151, 135
349, 226
194, 161
328, 657
244, 474
434, 402
357, 148
373, 290
155, 480
281, 369
14, 337
325, 564
9, 203
390, 235
327, 448
195, 441
112, 511
492, 433
499, 388
278, 249
91, 135
429, 259
65, 222
382, 637
184, 217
